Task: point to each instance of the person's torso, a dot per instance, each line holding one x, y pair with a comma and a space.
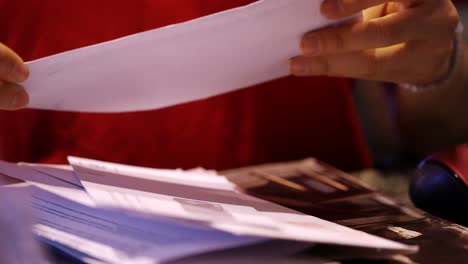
286, 119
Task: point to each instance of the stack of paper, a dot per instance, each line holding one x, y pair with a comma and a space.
19, 245
103, 212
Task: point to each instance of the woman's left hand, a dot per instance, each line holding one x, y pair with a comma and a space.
403, 41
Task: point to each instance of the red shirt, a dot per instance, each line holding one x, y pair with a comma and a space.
291, 118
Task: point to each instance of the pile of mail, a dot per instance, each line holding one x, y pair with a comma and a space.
101, 212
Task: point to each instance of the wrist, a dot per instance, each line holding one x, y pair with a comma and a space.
455, 65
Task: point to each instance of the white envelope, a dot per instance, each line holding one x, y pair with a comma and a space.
176, 64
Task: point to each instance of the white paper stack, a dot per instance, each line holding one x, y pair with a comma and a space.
101, 212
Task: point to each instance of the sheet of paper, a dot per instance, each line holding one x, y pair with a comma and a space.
19, 245
227, 210
60, 172
33, 176
194, 177
176, 64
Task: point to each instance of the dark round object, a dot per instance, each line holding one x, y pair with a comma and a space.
438, 190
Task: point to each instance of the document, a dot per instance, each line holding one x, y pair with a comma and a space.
119, 186
113, 237
67, 219
35, 177
128, 214
176, 64
61, 172
19, 245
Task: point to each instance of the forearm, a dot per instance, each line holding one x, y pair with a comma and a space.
431, 120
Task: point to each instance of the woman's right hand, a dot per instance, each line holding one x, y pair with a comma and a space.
12, 71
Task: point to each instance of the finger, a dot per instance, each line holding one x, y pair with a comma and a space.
381, 10
12, 67
353, 65
396, 63
12, 96
407, 25
336, 9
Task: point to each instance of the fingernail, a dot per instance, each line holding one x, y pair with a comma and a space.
297, 68
20, 100
330, 8
20, 72
311, 45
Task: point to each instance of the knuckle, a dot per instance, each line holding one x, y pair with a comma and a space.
385, 34
349, 6
355, 6
345, 7
334, 41
6, 68
9, 68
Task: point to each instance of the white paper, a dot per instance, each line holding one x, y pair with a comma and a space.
115, 238
31, 175
226, 210
60, 172
176, 64
161, 227
194, 177
68, 219
19, 245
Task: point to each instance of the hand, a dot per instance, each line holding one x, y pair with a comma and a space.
403, 41
12, 71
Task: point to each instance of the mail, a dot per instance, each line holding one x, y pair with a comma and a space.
194, 60
18, 243
125, 214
